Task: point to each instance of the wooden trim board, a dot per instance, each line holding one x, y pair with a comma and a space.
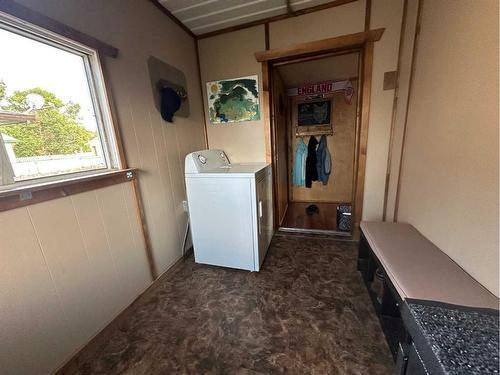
202, 89
320, 46
368, 14
394, 110
363, 137
410, 94
41, 192
144, 229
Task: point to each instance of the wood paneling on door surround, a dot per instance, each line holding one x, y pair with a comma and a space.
363, 137
320, 46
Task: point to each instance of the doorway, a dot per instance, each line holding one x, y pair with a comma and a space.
315, 110
363, 44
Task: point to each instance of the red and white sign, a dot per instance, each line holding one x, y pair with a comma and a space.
327, 87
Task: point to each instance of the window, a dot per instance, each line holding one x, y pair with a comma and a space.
54, 116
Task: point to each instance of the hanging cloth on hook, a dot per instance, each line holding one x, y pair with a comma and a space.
299, 164
311, 162
324, 164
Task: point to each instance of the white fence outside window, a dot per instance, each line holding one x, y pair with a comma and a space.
39, 166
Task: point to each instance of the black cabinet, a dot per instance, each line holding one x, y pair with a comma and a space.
414, 365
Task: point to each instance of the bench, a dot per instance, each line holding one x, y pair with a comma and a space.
412, 269
417, 268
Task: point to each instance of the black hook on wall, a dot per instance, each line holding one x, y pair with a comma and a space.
162, 84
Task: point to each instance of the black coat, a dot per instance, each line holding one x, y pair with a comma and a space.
311, 162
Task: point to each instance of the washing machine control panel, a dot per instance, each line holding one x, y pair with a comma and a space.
206, 160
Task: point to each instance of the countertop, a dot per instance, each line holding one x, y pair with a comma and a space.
453, 339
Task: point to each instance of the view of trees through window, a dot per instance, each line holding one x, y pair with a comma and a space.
48, 124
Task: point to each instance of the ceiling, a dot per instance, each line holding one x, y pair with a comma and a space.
211, 15
313, 71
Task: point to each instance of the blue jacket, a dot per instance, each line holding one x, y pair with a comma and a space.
324, 163
299, 164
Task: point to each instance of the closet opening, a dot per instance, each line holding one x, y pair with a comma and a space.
315, 113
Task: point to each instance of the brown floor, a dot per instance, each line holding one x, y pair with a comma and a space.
297, 217
306, 312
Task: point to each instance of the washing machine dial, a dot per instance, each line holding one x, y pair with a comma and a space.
202, 159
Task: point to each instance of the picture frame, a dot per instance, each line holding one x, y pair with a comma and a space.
313, 117
234, 100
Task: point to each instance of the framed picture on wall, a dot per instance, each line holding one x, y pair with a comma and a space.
233, 100
314, 117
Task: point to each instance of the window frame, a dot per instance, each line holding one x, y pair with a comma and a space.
106, 127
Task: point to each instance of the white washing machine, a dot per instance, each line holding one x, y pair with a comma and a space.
230, 210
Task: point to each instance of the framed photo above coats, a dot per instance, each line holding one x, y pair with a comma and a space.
313, 117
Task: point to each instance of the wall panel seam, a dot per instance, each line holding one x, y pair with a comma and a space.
117, 273
172, 196
160, 174
134, 240
81, 232
47, 266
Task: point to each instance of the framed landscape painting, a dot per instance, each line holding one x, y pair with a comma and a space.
233, 100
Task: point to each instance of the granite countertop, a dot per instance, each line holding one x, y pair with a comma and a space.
454, 339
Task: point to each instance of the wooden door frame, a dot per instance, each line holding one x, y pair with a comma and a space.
362, 42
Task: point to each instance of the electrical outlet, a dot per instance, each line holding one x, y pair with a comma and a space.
25, 196
185, 206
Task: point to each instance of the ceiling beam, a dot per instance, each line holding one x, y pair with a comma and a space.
165, 11
296, 13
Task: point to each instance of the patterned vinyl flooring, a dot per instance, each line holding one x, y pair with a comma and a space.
306, 312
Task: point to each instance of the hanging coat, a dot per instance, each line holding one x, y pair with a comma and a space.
311, 162
324, 164
299, 164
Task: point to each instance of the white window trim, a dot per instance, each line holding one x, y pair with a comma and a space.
98, 93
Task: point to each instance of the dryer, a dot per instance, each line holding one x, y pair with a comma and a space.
230, 210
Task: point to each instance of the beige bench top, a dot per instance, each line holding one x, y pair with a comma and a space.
418, 269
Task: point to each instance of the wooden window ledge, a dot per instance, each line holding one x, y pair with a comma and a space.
37, 192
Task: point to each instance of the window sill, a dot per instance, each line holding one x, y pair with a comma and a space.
26, 195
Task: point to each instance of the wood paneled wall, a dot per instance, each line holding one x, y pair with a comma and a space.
68, 266
449, 174
66, 274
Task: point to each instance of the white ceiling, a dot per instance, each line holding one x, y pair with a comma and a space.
210, 15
